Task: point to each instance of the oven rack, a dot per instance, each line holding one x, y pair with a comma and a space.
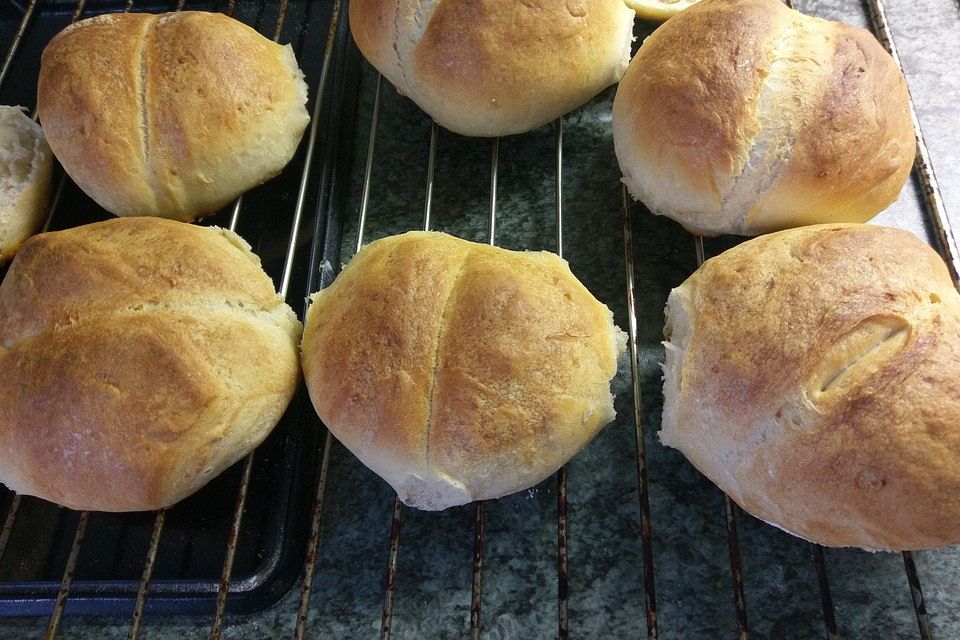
325, 247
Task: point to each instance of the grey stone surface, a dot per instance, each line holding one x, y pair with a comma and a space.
606, 600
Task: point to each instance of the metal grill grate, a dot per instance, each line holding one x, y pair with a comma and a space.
320, 186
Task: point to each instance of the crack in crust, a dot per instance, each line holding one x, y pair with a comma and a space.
447, 305
143, 111
764, 165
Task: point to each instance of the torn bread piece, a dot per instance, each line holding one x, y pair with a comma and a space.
25, 167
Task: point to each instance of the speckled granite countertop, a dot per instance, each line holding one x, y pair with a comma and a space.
693, 593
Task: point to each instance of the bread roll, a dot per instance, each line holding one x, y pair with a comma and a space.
744, 116
814, 375
169, 115
659, 9
495, 67
25, 166
140, 358
459, 371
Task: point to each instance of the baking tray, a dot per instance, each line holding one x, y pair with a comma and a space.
196, 535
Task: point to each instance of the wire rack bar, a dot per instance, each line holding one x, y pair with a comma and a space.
559, 186
646, 528
281, 14
335, 21
78, 11
563, 618
17, 37
235, 213
8, 523
494, 165
386, 619
431, 168
739, 600
148, 565
53, 627
313, 542
36, 110
232, 539
476, 589
922, 166
368, 169
919, 604
826, 601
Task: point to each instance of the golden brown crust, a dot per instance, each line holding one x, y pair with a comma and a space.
818, 384
369, 348
693, 108
522, 381
101, 268
141, 357
202, 108
459, 371
796, 120
91, 141
374, 27
856, 153
495, 67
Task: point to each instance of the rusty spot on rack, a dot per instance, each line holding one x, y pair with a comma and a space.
646, 528
477, 587
53, 627
916, 593
562, 586
826, 601
148, 565
386, 619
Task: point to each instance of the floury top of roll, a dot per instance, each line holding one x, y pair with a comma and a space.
744, 116
495, 67
170, 115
